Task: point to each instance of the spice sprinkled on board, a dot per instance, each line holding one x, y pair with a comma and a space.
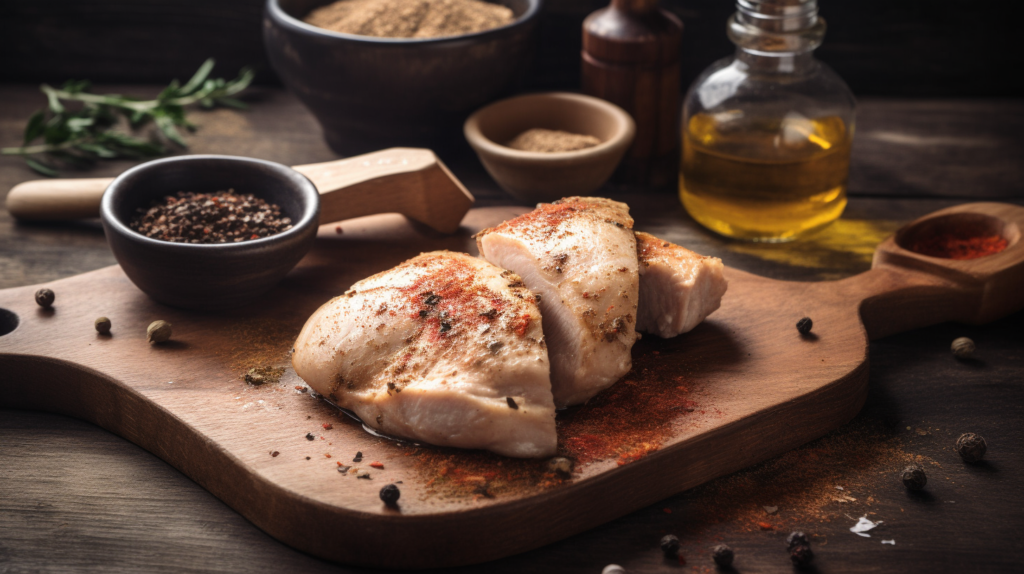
263, 375
804, 326
914, 477
723, 555
390, 494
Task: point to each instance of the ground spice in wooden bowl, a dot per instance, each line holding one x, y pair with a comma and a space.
219, 217
410, 18
552, 141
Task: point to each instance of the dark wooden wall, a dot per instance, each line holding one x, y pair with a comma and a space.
923, 48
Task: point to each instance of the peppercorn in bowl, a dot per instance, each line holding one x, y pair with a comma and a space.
209, 232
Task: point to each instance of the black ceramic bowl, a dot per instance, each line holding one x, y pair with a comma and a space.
372, 93
209, 276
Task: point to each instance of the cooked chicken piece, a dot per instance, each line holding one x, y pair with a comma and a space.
579, 255
445, 348
678, 288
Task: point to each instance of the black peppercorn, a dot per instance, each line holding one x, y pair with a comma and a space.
722, 555
801, 555
358, 457
971, 447
914, 477
390, 494
44, 297
670, 545
511, 403
797, 538
309, 436
804, 325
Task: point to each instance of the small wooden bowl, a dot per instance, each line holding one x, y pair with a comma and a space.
539, 176
209, 276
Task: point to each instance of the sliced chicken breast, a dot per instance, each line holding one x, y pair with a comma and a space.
579, 255
444, 348
678, 288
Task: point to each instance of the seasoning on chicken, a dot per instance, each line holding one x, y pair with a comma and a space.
579, 255
678, 288
437, 349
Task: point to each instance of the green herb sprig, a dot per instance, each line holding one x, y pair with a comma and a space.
81, 136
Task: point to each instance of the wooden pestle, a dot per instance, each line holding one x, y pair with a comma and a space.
410, 181
631, 52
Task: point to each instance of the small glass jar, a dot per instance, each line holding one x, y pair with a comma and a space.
767, 133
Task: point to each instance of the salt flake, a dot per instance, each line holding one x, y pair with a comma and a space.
893, 542
863, 526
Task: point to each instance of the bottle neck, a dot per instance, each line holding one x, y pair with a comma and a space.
776, 63
776, 35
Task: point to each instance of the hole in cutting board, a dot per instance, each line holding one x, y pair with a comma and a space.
8, 321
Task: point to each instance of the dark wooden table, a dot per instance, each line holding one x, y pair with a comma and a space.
74, 497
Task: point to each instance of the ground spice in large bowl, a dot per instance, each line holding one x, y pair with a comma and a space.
219, 217
410, 18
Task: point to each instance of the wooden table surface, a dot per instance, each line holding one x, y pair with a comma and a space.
74, 497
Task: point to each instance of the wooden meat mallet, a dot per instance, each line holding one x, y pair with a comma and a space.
410, 181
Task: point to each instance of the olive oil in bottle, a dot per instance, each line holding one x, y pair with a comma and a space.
766, 133
764, 180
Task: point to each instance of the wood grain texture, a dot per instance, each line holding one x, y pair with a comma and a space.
74, 497
186, 403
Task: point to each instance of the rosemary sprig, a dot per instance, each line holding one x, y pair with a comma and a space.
81, 136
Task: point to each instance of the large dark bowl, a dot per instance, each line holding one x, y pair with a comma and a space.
209, 276
371, 93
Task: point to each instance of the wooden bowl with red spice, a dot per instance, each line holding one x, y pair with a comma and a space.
214, 250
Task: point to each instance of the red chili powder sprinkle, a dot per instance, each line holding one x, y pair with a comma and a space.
376, 464
327, 426
957, 246
624, 424
328, 455
764, 526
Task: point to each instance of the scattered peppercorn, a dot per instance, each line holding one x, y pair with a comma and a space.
363, 474
561, 465
390, 494
796, 538
801, 555
723, 555
358, 457
613, 569
275, 453
102, 325
670, 545
219, 217
971, 447
343, 469
309, 436
45, 297
511, 403
804, 325
158, 332
914, 477
962, 348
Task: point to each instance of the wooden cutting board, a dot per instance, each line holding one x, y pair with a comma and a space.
740, 388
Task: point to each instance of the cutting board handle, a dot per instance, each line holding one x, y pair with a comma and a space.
906, 290
410, 181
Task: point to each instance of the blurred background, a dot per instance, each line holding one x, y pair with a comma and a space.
914, 48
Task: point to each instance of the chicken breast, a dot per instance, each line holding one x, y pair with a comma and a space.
678, 288
444, 348
579, 255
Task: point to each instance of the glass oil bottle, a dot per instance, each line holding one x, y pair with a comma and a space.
767, 133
